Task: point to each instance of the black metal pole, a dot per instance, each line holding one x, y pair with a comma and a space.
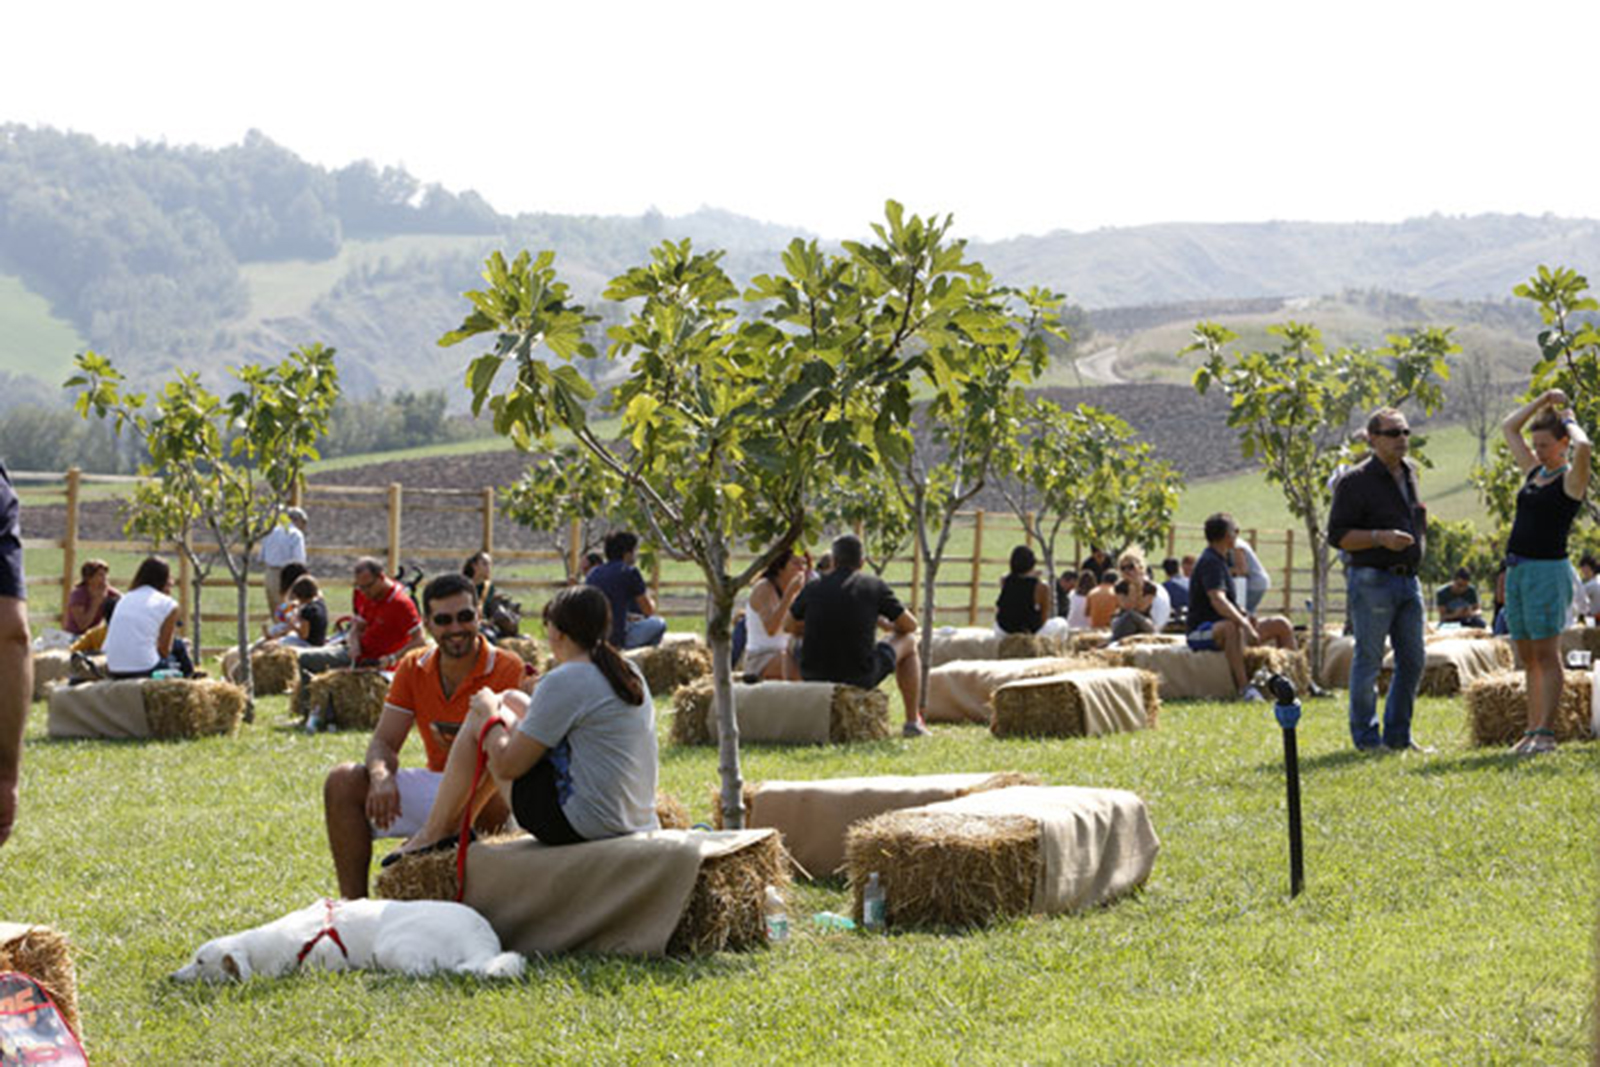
1291, 764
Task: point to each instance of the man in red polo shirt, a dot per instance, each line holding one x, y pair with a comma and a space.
384, 629
431, 691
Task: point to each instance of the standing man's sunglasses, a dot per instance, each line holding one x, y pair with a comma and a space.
462, 617
1394, 431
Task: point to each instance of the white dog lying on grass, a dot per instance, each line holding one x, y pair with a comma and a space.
416, 937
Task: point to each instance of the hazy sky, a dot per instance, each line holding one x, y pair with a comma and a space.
1019, 118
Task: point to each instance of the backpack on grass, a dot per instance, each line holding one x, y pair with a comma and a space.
31, 1029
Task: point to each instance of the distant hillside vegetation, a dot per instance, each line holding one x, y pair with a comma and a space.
1463, 258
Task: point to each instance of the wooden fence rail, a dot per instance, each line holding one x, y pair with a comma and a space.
969, 575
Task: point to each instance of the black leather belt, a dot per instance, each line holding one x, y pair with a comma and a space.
1399, 570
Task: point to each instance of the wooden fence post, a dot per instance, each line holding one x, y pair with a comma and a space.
69, 542
977, 566
1288, 573
185, 613
297, 493
394, 527
1172, 541
488, 519
575, 550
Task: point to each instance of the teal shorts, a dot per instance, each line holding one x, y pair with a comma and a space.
1538, 594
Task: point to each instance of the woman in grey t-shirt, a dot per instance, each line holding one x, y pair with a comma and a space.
577, 762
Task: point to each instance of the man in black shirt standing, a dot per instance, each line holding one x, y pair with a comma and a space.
1216, 621
1379, 521
837, 615
16, 653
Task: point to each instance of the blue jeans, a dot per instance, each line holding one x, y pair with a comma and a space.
1384, 605
644, 631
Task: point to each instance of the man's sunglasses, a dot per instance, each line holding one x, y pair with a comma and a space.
462, 617
1394, 431
1129, 567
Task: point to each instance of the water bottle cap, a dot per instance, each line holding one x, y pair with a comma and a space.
773, 896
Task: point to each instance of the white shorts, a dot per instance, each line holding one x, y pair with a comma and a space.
418, 786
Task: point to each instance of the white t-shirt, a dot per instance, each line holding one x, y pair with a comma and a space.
286, 544
135, 628
1077, 611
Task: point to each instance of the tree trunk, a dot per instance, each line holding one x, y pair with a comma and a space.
241, 581
719, 635
1320, 563
930, 579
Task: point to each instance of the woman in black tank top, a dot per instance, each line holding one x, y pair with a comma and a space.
1024, 602
1554, 460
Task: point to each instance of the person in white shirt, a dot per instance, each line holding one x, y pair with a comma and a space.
141, 637
1589, 571
284, 545
1248, 566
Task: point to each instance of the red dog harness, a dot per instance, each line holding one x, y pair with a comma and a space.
328, 932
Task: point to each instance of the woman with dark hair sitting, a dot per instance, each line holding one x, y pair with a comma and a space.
480, 568
578, 761
92, 600
1024, 604
283, 615
768, 650
308, 624
141, 637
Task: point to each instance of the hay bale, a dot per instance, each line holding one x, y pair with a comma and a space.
1030, 646
1290, 662
353, 697
184, 707
858, 715
747, 792
48, 669
44, 955
528, 650
691, 715
275, 669
1077, 704
946, 868
672, 813
1497, 708
1139, 640
1453, 665
853, 714
724, 911
671, 665
1089, 640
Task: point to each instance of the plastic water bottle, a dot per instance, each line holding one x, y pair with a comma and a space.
165, 673
874, 908
777, 917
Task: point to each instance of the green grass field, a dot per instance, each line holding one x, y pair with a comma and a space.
34, 342
1448, 916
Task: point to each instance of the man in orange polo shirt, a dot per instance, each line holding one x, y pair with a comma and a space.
431, 691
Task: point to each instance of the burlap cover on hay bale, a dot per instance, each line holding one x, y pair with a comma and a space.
45, 956
1089, 703
1451, 666
1337, 654
1190, 675
1007, 852
137, 709
353, 698
677, 661
784, 713
48, 668
1497, 708
950, 643
814, 817
961, 691
667, 892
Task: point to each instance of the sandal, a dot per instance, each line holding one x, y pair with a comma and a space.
444, 844
1536, 743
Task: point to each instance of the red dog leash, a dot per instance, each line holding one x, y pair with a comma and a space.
328, 932
463, 838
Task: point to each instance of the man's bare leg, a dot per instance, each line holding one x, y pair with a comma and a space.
344, 806
908, 674
1230, 639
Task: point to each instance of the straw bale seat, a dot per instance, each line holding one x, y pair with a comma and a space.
1452, 665
1032, 646
962, 691
677, 661
351, 698
1002, 853
1085, 703
666, 892
784, 713
951, 643
1337, 655
1089, 640
814, 817
48, 669
274, 669
1580, 639
44, 955
1189, 675
1497, 708
528, 650
143, 708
